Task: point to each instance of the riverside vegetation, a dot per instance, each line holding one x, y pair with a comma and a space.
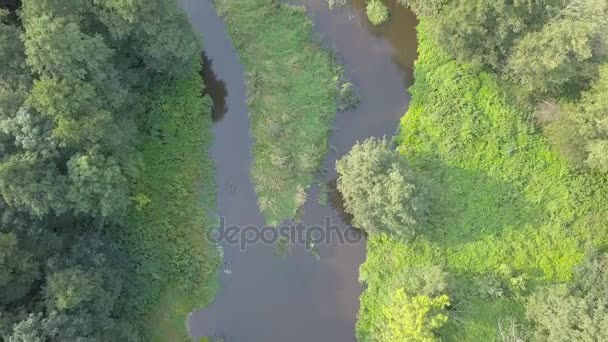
294, 92
506, 133
105, 182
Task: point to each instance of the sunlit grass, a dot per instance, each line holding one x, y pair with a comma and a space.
292, 90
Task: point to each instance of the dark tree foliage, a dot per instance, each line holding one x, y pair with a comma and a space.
72, 79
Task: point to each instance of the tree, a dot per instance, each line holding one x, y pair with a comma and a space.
564, 54
581, 129
484, 31
574, 312
379, 190
18, 270
411, 318
97, 186
32, 184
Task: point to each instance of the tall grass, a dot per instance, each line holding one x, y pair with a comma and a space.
292, 90
175, 201
507, 214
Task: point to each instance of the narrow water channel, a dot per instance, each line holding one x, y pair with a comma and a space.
296, 297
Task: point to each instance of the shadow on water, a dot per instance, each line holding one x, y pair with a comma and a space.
264, 297
215, 88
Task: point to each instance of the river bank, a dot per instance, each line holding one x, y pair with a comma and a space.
297, 297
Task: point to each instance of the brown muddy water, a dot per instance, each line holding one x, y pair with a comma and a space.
267, 296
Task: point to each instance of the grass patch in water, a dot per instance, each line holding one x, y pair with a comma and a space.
292, 89
377, 12
507, 214
175, 190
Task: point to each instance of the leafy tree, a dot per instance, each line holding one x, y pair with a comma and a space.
68, 288
484, 31
564, 53
379, 190
427, 280
97, 186
14, 76
31, 184
575, 312
161, 38
411, 318
18, 270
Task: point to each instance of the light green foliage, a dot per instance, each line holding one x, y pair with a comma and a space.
482, 31
379, 190
290, 116
575, 312
504, 204
32, 184
562, 55
411, 318
377, 12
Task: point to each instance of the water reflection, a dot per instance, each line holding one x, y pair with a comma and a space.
215, 88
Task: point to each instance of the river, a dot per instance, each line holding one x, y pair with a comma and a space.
266, 297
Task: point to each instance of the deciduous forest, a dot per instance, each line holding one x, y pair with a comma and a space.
97, 101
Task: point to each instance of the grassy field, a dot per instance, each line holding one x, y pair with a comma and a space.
507, 214
175, 196
292, 90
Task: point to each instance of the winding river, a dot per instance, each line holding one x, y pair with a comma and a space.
265, 297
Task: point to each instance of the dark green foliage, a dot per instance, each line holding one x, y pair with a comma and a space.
76, 80
577, 311
379, 190
18, 270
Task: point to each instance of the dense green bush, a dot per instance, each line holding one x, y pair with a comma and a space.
379, 190
377, 12
577, 311
507, 214
411, 318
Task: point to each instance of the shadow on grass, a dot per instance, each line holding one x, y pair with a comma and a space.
467, 206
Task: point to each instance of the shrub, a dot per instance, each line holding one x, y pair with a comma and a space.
574, 312
377, 12
411, 318
378, 189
